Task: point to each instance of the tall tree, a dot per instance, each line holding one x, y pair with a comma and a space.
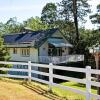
95, 19
74, 10
75, 19
49, 14
51, 17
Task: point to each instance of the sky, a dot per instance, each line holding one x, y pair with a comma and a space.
24, 9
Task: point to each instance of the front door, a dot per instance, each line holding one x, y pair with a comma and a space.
54, 51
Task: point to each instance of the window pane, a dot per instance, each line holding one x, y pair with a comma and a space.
14, 50
25, 52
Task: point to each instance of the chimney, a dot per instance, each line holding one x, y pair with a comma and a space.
26, 30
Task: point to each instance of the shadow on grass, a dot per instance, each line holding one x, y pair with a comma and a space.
79, 85
41, 91
83, 86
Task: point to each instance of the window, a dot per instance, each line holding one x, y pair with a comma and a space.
50, 52
8, 50
14, 50
25, 52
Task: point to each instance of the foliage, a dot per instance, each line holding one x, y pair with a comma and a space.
65, 15
4, 55
51, 17
35, 24
67, 9
95, 19
67, 28
11, 26
74, 10
87, 39
49, 14
91, 37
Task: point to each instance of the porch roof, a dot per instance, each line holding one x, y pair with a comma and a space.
59, 42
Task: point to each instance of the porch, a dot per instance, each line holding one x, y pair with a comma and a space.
60, 59
56, 51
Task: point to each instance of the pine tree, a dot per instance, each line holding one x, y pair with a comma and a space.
4, 55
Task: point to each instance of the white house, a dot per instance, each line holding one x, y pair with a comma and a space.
37, 46
44, 46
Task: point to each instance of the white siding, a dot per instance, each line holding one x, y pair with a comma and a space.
18, 57
43, 50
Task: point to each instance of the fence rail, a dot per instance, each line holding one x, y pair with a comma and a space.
88, 71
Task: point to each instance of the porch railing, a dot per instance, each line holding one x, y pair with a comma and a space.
60, 59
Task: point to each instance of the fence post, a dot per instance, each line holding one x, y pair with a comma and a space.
50, 76
29, 71
88, 84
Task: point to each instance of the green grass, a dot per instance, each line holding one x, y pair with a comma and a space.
65, 94
72, 95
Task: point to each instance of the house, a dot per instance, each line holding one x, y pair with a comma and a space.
43, 46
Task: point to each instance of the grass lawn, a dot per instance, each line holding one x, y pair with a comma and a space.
18, 90
67, 94
72, 95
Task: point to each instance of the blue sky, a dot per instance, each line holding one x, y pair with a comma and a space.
24, 9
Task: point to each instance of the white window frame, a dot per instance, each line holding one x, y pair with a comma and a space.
25, 52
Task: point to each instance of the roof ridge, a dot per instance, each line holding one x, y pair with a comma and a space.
29, 32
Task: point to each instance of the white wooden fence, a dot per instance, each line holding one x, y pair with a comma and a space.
88, 71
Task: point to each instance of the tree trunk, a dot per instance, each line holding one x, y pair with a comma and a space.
75, 19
